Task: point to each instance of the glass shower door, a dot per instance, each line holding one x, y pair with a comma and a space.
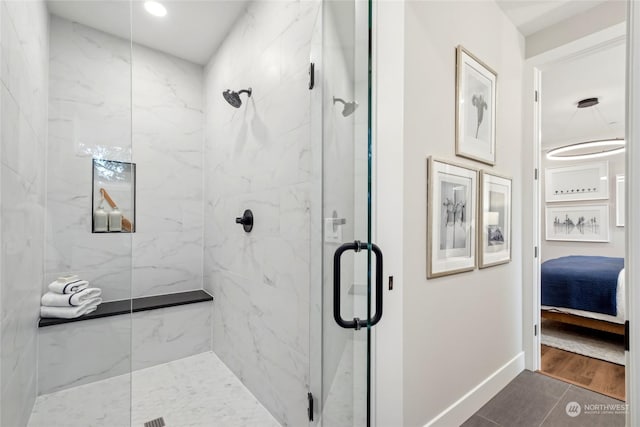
83, 366
351, 262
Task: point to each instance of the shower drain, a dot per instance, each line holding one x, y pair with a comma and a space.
158, 422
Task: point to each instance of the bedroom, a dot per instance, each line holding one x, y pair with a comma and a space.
581, 218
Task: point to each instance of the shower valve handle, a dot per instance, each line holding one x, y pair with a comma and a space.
246, 220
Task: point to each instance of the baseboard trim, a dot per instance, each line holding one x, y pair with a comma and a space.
469, 404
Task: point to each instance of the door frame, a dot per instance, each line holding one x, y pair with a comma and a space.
387, 207
632, 205
599, 40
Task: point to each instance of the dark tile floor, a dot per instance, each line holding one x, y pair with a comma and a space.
533, 399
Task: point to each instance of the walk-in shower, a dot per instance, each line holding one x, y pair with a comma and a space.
205, 236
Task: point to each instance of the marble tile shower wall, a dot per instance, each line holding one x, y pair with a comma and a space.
23, 94
90, 114
168, 138
157, 336
259, 157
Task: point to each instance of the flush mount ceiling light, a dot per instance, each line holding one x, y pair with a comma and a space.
155, 8
588, 149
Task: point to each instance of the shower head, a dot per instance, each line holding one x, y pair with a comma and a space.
233, 97
349, 107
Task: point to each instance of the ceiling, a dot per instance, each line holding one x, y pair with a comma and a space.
600, 74
192, 29
532, 16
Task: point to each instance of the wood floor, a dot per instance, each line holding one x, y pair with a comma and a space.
597, 375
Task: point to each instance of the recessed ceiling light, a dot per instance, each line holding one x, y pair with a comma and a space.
155, 8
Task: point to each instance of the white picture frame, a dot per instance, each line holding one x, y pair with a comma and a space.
494, 220
577, 223
451, 218
620, 200
575, 183
476, 99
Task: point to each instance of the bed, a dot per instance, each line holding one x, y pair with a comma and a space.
586, 291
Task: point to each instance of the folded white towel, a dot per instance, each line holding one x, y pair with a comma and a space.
69, 277
51, 299
68, 287
71, 312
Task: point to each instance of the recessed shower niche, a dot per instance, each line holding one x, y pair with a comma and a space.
113, 197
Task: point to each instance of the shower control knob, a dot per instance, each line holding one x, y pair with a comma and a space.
246, 220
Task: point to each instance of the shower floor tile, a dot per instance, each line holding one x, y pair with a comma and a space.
198, 391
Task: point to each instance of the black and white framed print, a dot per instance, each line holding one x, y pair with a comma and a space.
451, 218
589, 181
494, 220
475, 108
578, 223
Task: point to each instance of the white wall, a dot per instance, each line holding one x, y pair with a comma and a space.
461, 329
23, 93
91, 114
258, 157
550, 249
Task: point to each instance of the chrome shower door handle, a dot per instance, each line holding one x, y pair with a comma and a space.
356, 323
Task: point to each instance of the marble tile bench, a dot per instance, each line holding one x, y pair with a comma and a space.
113, 341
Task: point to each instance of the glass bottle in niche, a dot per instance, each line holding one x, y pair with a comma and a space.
115, 220
100, 220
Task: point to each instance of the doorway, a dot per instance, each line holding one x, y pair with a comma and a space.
580, 303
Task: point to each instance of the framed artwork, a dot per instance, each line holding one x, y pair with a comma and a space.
620, 201
494, 220
451, 231
584, 182
578, 223
475, 108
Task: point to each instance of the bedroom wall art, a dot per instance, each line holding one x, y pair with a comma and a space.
451, 222
620, 200
583, 182
578, 223
475, 108
494, 220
